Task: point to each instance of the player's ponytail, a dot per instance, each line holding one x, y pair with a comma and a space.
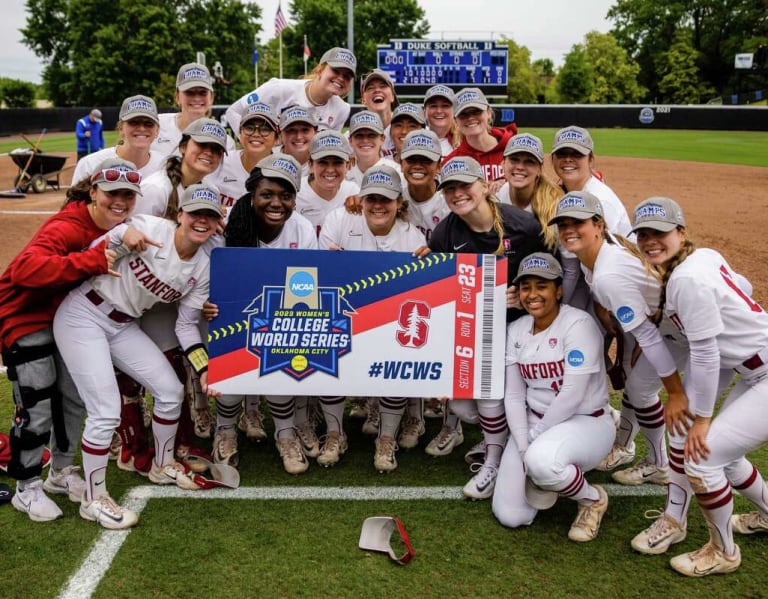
497, 224
666, 273
173, 170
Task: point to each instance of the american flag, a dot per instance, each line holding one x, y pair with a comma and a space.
307, 52
280, 22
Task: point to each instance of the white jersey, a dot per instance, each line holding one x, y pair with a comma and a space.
445, 146
355, 174
351, 232
155, 191
614, 212
297, 233
230, 180
705, 301
157, 275
168, 138
315, 208
620, 283
502, 197
281, 93
87, 165
388, 149
572, 345
425, 215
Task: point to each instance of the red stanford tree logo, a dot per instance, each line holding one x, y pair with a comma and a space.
413, 324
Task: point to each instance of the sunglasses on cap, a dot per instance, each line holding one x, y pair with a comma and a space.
110, 175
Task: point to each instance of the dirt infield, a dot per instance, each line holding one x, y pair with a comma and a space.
726, 207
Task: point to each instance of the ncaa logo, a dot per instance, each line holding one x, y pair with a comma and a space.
625, 314
575, 358
302, 284
413, 324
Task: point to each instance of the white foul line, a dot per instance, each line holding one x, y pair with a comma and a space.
83, 583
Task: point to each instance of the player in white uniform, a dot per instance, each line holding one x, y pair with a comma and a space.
97, 325
259, 131
406, 118
265, 217
624, 285
194, 96
297, 128
382, 226
137, 127
556, 402
438, 110
366, 138
321, 94
377, 94
727, 330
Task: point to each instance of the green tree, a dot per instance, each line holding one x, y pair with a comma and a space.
545, 73
575, 79
98, 52
522, 79
679, 77
15, 93
719, 29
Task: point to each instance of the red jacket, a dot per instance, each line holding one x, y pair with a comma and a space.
492, 159
56, 260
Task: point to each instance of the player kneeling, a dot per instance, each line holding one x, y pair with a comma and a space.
556, 402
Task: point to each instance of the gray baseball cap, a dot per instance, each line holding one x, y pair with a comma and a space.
282, 166
422, 142
462, 169
575, 138
525, 142
115, 173
383, 76
539, 264
136, 106
192, 75
469, 97
207, 131
329, 143
201, 196
661, 214
260, 110
297, 114
382, 180
96, 114
365, 119
580, 205
340, 58
409, 109
440, 91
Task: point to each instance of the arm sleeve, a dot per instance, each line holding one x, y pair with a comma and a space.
514, 406
704, 376
571, 273
187, 330
654, 348
566, 403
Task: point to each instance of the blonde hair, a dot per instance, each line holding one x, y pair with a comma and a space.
666, 273
544, 206
498, 225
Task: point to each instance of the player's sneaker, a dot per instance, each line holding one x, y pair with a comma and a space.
371, 424
35, 503
334, 445
114, 447
294, 460
225, 447
642, 472
587, 523
411, 428
251, 422
310, 444
108, 513
705, 561
433, 408
172, 473
446, 440
476, 454
384, 459
358, 407
748, 524
67, 482
203, 421
482, 484
618, 456
658, 537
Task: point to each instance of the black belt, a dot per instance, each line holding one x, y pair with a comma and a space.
752, 363
595, 414
115, 315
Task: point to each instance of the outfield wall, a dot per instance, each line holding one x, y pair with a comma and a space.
730, 118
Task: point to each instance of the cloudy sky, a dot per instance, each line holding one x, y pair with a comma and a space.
547, 27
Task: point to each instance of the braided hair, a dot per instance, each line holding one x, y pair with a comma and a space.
686, 250
174, 172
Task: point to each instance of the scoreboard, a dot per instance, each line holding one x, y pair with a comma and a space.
416, 65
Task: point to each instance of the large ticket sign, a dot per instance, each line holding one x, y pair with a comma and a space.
313, 322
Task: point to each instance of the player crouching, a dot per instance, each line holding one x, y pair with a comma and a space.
556, 402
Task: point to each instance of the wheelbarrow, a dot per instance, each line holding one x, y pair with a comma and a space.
37, 170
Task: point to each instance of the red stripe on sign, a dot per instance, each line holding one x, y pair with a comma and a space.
501, 272
467, 284
232, 364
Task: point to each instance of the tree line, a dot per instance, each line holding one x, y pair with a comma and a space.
97, 52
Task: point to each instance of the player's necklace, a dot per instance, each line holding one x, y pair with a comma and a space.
308, 90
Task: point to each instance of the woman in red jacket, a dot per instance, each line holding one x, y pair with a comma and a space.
62, 254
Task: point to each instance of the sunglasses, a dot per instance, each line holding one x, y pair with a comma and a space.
110, 175
253, 128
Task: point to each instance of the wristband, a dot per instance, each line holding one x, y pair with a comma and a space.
198, 358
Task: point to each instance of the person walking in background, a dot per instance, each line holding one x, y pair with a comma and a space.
90, 134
